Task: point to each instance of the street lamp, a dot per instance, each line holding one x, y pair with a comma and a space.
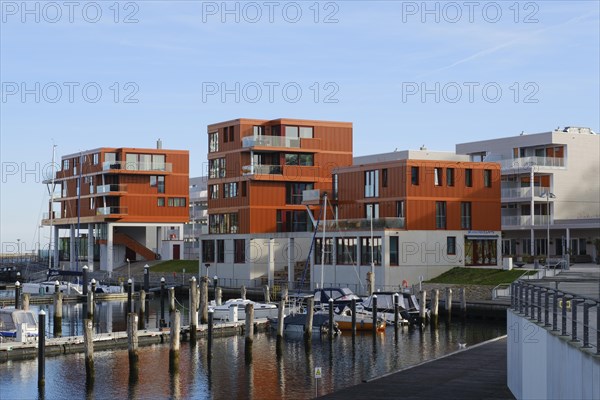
128, 269
548, 196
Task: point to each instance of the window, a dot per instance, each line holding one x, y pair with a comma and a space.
440, 215
223, 223
176, 202
160, 202
449, 176
400, 209
296, 221
437, 176
208, 251
451, 245
64, 189
414, 175
306, 132
372, 183
372, 210
291, 159
319, 251
384, 177
468, 177
213, 142
74, 166
307, 160
231, 133
244, 189
240, 250
96, 158
220, 251
77, 186
394, 250
465, 215
487, 178
158, 182
230, 189
216, 168
214, 191
345, 251
226, 134
366, 248
92, 205
90, 180
258, 130
293, 192
110, 158
334, 186
66, 165
291, 131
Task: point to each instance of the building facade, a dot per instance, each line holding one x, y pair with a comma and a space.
131, 203
550, 192
198, 223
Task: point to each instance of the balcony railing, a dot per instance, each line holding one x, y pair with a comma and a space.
270, 141
525, 220
527, 162
522, 192
111, 188
365, 224
137, 166
111, 210
262, 170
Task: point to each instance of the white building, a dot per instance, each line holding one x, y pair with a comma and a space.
198, 224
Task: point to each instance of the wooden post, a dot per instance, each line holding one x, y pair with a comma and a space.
243, 292
90, 305
353, 310
175, 343
132, 341
88, 343
204, 300
463, 302
193, 310
58, 308
25, 301
280, 318
249, 329
448, 302
435, 298
374, 297
267, 294
17, 294
330, 318
41, 349
310, 311
171, 300
141, 324
422, 306
218, 296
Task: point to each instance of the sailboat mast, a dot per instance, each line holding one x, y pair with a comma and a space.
51, 214
372, 249
323, 240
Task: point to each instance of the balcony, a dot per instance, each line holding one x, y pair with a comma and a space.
363, 224
525, 220
527, 162
105, 189
523, 193
270, 141
111, 211
136, 166
262, 169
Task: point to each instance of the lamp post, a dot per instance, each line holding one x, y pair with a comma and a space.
548, 196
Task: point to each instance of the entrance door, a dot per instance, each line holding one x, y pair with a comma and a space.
176, 252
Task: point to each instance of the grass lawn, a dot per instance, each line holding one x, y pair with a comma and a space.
479, 276
190, 266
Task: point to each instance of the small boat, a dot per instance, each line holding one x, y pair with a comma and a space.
261, 310
48, 287
364, 321
409, 314
18, 324
294, 324
342, 297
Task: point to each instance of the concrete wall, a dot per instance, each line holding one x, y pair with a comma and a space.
543, 365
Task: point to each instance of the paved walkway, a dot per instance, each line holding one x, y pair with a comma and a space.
476, 373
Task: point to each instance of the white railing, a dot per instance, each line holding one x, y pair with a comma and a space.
137, 166
526, 162
262, 169
525, 220
365, 224
522, 192
270, 141
111, 188
111, 210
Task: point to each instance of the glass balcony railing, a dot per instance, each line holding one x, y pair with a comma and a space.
364, 224
525, 220
111, 188
523, 192
270, 141
137, 166
262, 170
111, 210
527, 162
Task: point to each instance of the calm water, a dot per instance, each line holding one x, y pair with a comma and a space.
231, 371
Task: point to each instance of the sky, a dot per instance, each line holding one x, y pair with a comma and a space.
82, 75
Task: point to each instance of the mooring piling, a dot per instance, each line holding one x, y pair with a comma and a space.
353, 311
218, 296
85, 280
204, 300
171, 300
374, 304
129, 296
396, 311
147, 278
175, 341
141, 324
267, 293
463, 302
132, 345
211, 315
41, 349
330, 301
310, 311
25, 301
280, 318
58, 312
193, 310
448, 303
249, 328
90, 301
17, 294
243, 292
88, 343
422, 306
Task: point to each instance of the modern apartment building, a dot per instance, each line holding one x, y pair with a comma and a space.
130, 202
550, 191
198, 223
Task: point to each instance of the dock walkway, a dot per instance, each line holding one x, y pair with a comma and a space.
474, 373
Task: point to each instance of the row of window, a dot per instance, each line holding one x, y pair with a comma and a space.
67, 162
216, 253
217, 168
230, 190
223, 223
440, 215
171, 202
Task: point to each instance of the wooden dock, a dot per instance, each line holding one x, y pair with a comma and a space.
473, 373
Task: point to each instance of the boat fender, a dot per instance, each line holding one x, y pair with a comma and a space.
405, 284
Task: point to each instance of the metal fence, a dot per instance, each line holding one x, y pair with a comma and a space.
569, 314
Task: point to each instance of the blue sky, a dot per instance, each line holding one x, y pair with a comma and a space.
405, 73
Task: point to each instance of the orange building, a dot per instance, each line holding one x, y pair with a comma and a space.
258, 170
131, 202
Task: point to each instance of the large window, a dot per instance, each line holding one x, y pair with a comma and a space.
294, 132
240, 251
176, 202
319, 250
437, 176
299, 159
291, 131
487, 178
366, 249
230, 189
145, 162
346, 251
258, 130
451, 245
372, 183
213, 142
223, 223
208, 251
220, 251
214, 191
293, 192
394, 253
440, 215
414, 175
216, 168
400, 212
306, 132
158, 182
468, 177
66, 164
465, 215
449, 176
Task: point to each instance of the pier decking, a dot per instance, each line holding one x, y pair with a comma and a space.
475, 373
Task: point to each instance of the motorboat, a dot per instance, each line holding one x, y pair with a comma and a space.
17, 324
342, 297
48, 287
294, 324
364, 321
223, 311
408, 307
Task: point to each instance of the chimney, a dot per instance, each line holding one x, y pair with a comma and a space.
159, 144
